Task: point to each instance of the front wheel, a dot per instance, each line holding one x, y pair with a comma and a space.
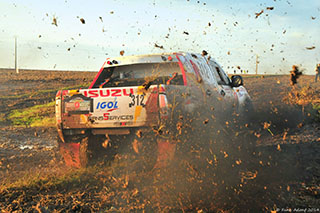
246, 110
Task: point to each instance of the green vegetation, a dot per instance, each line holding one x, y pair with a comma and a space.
2, 117
309, 98
316, 108
40, 92
255, 76
38, 115
65, 180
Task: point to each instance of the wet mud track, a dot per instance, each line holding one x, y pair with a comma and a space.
282, 172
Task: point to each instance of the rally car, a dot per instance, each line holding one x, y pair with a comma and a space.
136, 96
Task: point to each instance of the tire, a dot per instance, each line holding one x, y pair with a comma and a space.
247, 111
74, 151
145, 151
83, 152
96, 152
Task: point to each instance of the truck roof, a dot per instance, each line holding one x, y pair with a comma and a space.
140, 59
148, 58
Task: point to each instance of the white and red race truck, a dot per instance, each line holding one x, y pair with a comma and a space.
133, 95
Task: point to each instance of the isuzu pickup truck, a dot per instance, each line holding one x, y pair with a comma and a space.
133, 97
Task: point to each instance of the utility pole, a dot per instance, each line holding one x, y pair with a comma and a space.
257, 62
16, 55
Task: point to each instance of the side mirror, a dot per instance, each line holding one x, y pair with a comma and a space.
236, 81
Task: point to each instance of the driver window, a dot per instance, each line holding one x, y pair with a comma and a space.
221, 79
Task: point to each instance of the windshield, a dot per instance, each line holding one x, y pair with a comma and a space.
140, 74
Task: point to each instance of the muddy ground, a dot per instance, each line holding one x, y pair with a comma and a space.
282, 172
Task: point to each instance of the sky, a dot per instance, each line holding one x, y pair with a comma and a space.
79, 34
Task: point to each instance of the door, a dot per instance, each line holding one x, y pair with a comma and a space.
223, 84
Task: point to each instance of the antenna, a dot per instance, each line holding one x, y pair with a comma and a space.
16, 55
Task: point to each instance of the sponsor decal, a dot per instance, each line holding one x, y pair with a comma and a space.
83, 119
236, 97
123, 123
241, 92
94, 93
137, 100
77, 105
107, 116
109, 105
138, 107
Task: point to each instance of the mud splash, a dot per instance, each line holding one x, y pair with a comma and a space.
233, 166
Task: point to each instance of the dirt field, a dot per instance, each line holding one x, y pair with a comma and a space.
282, 172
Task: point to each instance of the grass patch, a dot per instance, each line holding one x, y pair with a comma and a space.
74, 179
70, 179
307, 97
254, 75
316, 108
46, 91
36, 116
2, 117
83, 86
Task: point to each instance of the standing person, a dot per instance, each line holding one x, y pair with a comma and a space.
294, 75
317, 72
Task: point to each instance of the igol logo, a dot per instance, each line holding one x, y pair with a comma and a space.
108, 105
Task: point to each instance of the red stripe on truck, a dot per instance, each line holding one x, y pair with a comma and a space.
182, 71
95, 79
